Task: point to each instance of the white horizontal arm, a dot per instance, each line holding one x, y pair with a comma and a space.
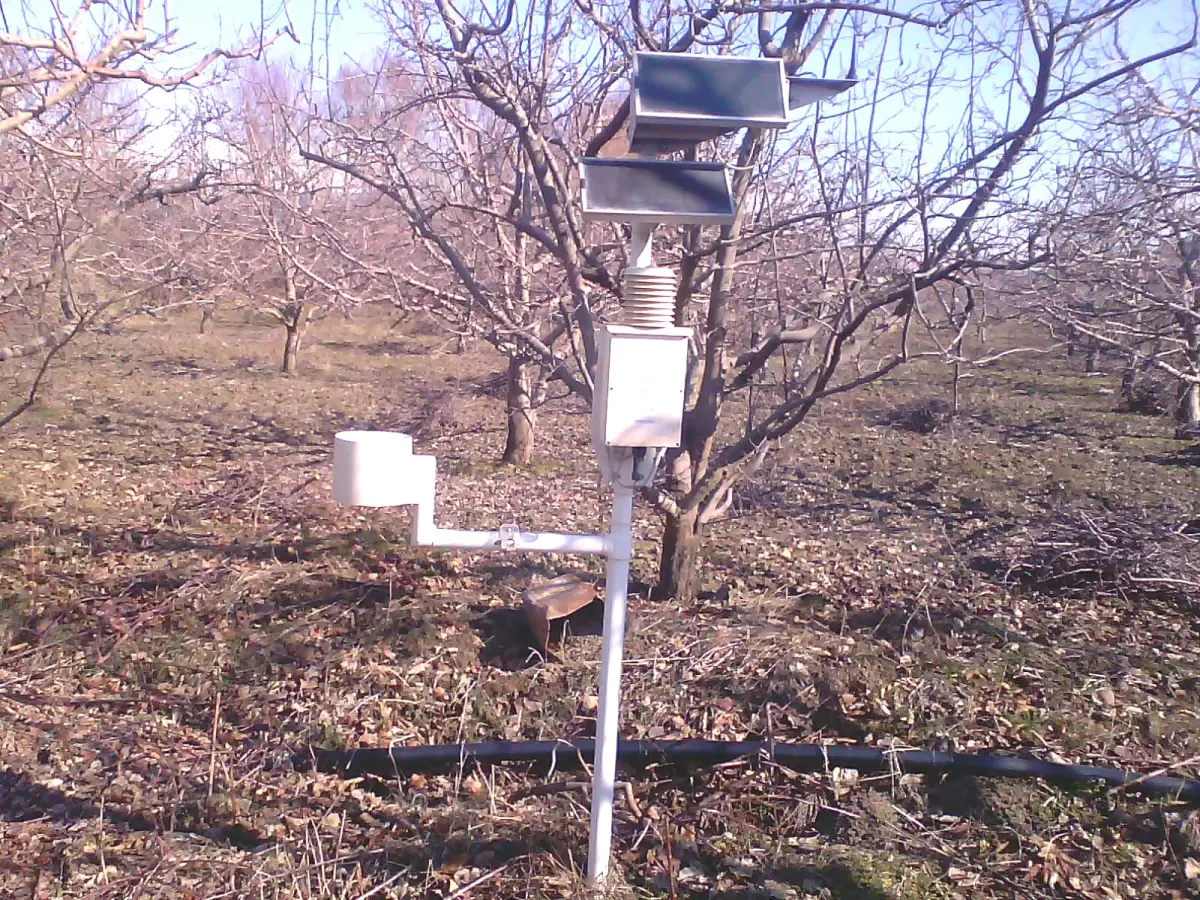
529, 542
379, 469
426, 534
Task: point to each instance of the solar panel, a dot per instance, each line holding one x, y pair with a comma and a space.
653, 190
679, 100
729, 90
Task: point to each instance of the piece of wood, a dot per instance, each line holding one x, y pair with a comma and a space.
555, 599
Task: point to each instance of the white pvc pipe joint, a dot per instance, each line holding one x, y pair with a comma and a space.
641, 245
511, 538
378, 468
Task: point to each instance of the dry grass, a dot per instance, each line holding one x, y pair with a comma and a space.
186, 608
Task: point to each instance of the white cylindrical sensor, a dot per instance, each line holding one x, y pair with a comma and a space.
378, 468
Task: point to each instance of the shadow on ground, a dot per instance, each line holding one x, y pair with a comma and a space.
23, 799
840, 880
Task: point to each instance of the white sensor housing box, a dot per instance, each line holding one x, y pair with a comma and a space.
641, 379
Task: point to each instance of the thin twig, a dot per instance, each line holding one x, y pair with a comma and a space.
486, 876
1172, 767
212, 759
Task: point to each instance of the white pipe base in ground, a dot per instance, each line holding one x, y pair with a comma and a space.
608, 721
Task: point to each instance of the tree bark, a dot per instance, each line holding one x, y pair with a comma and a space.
66, 306
1187, 413
291, 350
522, 417
206, 319
294, 319
1129, 380
678, 570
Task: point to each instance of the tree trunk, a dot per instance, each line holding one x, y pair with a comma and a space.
522, 417
678, 572
206, 319
291, 350
1187, 413
1129, 380
294, 320
466, 336
65, 299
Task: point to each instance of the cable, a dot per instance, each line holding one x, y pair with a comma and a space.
800, 757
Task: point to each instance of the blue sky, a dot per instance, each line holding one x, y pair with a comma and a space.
355, 33
204, 24
209, 23
354, 36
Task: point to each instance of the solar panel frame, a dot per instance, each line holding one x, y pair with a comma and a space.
803, 90
728, 92
688, 193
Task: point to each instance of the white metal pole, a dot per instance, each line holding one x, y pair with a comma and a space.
641, 245
608, 722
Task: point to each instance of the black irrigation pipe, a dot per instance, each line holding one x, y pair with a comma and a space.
566, 755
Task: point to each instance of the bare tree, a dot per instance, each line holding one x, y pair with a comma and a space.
474, 136
288, 233
848, 227
82, 160
1127, 273
81, 244
65, 49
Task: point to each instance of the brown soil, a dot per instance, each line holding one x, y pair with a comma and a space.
184, 607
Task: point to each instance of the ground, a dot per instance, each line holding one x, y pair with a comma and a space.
184, 608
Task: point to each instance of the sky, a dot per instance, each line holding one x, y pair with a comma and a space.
202, 25
354, 37
355, 33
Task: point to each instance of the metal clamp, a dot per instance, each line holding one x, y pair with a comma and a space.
510, 535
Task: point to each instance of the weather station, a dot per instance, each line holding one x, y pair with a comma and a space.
677, 101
